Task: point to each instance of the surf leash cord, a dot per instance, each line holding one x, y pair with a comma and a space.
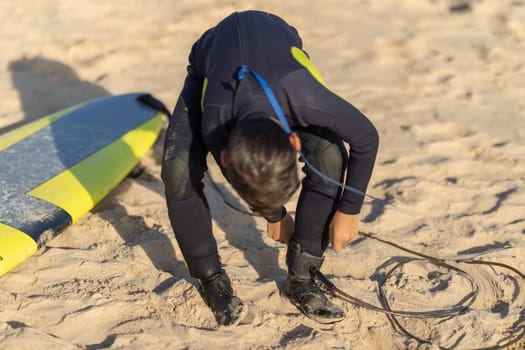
463, 307
516, 334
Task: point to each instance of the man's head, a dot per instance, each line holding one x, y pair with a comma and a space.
260, 162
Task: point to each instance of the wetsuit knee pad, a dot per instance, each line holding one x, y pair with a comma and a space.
334, 157
331, 159
176, 177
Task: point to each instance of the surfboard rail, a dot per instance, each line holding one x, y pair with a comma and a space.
87, 150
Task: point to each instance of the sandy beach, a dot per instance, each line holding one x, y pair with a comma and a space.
444, 83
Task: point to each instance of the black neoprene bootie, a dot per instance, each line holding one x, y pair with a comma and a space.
218, 295
302, 290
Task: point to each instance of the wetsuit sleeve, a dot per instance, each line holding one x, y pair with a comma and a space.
183, 168
356, 129
317, 105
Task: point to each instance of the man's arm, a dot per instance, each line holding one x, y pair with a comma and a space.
183, 167
313, 104
317, 105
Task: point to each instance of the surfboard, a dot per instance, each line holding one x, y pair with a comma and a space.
57, 168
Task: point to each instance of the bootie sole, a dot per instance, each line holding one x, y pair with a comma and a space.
316, 318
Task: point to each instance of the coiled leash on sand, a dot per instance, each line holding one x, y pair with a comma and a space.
515, 334
461, 308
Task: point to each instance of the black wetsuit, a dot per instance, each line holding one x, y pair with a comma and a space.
212, 100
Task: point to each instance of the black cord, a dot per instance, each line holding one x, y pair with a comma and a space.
515, 334
460, 308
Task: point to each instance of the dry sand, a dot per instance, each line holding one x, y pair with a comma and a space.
446, 91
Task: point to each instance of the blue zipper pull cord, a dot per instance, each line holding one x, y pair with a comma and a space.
241, 73
269, 94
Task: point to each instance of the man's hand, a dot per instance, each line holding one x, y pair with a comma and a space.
281, 231
343, 228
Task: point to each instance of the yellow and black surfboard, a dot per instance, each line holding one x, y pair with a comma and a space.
54, 170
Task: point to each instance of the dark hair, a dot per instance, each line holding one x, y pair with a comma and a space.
262, 165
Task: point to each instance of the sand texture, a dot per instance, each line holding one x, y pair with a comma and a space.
442, 80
